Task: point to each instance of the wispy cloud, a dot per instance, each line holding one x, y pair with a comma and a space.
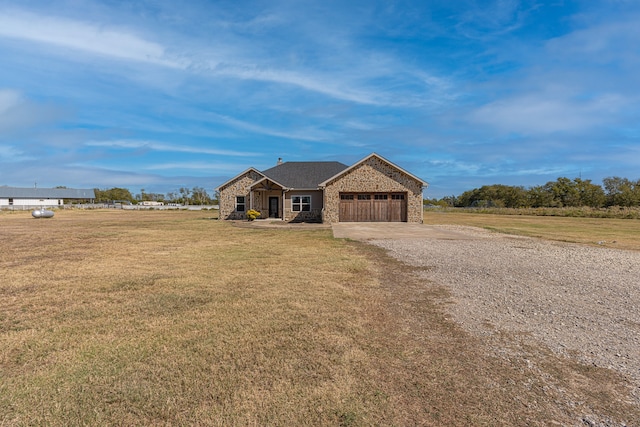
8, 100
467, 92
341, 78
490, 19
326, 86
545, 113
160, 146
207, 167
13, 154
87, 37
308, 134
20, 114
600, 42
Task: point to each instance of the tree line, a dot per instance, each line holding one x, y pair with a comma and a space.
183, 196
563, 192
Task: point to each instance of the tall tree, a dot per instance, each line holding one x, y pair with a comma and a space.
199, 195
185, 193
591, 195
540, 197
564, 192
621, 191
112, 194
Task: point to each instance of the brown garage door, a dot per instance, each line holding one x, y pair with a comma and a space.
373, 207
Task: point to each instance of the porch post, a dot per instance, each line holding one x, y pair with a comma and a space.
283, 191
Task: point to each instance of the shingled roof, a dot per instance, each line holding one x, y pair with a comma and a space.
303, 175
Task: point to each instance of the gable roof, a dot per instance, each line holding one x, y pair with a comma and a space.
344, 171
46, 193
303, 175
238, 176
310, 175
265, 182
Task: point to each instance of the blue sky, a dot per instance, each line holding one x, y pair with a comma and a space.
164, 94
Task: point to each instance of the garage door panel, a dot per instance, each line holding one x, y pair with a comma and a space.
373, 207
347, 208
363, 209
380, 208
398, 208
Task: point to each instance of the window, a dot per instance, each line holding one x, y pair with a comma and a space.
346, 197
380, 196
301, 203
240, 204
397, 196
10, 202
364, 196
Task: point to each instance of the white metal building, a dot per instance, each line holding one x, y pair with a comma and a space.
26, 198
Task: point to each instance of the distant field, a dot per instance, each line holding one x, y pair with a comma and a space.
609, 232
114, 317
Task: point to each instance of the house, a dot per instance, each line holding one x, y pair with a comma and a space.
371, 190
27, 198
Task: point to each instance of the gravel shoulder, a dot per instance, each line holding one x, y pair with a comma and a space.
579, 301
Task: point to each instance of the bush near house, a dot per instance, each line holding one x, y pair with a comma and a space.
252, 215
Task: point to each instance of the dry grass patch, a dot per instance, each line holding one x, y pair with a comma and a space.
608, 232
170, 318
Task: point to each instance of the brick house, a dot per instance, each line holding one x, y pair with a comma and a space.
373, 189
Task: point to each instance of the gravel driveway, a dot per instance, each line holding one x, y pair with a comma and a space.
579, 301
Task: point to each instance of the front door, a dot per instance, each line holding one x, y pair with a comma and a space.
273, 207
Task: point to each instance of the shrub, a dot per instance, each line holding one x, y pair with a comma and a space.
252, 214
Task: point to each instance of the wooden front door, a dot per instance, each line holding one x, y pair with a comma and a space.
274, 203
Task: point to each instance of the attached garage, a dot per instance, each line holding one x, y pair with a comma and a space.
373, 207
373, 190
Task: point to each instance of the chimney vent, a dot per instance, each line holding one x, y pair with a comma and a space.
279, 160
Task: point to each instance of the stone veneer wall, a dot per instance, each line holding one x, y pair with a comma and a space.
373, 175
237, 187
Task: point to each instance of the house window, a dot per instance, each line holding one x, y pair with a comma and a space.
364, 196
240, 204
346, 197
380, 197
397, 196
301, 203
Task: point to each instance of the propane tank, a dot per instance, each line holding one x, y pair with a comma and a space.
42, 213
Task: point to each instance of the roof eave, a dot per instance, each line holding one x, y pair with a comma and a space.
324, 183
284, 187
218, 188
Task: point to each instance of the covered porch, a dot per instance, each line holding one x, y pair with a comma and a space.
267, 197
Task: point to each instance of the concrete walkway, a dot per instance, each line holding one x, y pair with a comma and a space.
367, 230
394, 230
